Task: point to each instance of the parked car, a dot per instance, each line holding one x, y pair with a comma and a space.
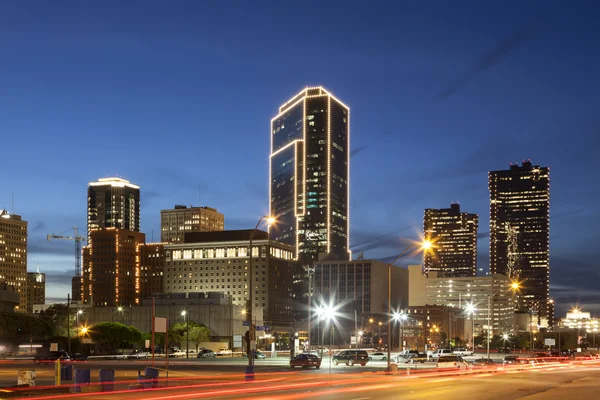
224, 351
351, 357
206, 353
178, 354
441, 352
378, 356
505, 350
461, 351
118, 356
138, 354
451, 362
257, 355
484, 363
51, 356
305, 360
412, 357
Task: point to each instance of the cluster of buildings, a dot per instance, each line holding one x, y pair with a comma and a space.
304, 259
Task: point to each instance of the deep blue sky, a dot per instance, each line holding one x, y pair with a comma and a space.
178, 95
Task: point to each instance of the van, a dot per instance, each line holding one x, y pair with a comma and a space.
451, 362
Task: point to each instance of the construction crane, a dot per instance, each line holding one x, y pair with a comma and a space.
78, 239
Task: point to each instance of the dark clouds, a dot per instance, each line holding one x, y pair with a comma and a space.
488, 60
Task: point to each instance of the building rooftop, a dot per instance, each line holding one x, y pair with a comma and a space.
224, 236
114, 182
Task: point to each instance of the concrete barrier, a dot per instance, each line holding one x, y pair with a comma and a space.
26, 377
82, 377
107, 380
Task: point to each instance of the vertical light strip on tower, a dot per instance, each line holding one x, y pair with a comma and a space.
329, 174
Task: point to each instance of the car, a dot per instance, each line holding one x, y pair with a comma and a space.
441, 352
305, 360
224, 351
351, 357
257, 355
379, 356
514, 360
461, 351
78, 357
484, 363
178, 354
51, 356
452, 361
138, 354
412, 357
206, 353
505, 350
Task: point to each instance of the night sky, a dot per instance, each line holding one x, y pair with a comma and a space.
177, 97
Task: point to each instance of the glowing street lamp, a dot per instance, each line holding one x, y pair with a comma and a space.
400, 317
470, 309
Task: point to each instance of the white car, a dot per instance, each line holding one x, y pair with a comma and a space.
138, 354
379, 356
440, 353
452, 362
224, 351
461, 351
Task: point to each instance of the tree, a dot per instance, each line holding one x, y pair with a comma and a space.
111, 336
199, 334
19, 328
56, 318
177, 332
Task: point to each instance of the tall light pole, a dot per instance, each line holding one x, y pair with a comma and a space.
470, 309
79, 312
329, 313
187, 332
400, 318
425, 245
251, 327
120, 311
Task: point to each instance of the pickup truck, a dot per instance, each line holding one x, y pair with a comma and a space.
461, 351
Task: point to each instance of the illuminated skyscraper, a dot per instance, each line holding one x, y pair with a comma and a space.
519, 231
113, 203
309, 174
455, 237
13, 254
174, 223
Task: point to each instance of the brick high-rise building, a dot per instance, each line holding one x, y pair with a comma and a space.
519, 231
13, 254
36, 290
455, 236
151, 258
309, 175
111, 268
181, 219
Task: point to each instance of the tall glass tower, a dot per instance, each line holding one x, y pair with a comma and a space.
520, 231
309, 175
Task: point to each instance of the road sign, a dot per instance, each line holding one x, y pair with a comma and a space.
246, 323
263, 328
550, 342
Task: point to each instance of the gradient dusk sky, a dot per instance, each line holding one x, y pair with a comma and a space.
177, 97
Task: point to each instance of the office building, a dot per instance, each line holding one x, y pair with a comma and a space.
519, 231
480, 291
181, 219
433, 326
455, 236
152, 264
9, 298
359, 286
13, 254
36, 290
113, 203
218, 262
309, 175
111, 275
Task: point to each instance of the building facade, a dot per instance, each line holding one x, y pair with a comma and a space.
359, 286
432, 327
111, 268
309, 175
455, 236
480, 291
13, 254
218, 262
152, 263
36, 290
113, 203
181, 219
519, 231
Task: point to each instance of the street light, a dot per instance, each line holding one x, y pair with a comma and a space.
470, 309
425, 246
329, 313
251, 328
84, 330
187, 333
400, 317
79, 312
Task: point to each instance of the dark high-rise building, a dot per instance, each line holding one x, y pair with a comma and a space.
151, 258
519, 231
13, 254
113, 203
309, 180
111, 268
455, 237
36, 290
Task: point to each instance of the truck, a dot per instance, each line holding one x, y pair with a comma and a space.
461, 351
440, 352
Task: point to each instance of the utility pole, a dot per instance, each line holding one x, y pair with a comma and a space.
69, 322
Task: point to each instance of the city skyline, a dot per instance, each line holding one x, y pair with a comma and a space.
494, 106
